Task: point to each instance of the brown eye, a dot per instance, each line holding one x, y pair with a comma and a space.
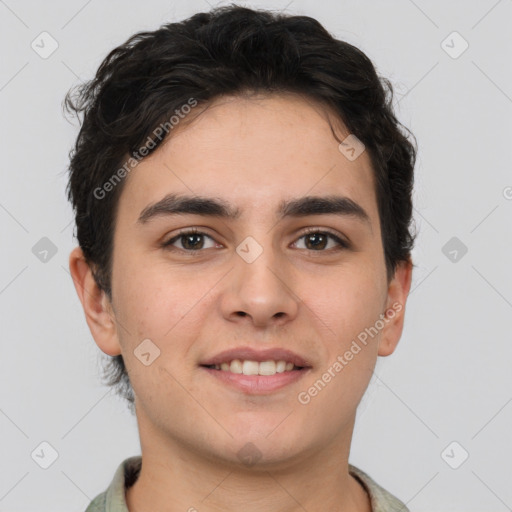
190, 241
319, 241
316, 241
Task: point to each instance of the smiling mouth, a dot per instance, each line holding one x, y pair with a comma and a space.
249, 367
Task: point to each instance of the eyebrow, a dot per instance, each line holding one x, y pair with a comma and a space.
175, 204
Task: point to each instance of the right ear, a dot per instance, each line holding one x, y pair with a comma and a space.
96, 304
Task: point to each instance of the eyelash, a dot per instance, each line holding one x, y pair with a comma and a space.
168, 244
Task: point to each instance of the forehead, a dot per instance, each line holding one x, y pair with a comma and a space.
253, 152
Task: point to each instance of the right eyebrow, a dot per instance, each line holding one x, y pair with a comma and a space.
173, 204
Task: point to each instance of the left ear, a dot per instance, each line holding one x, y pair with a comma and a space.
398, 290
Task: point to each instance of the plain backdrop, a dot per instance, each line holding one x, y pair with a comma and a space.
434, 427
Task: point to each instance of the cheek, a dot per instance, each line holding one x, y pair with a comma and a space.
162, 305
349, 308
147, 296
347, 302
157, 306
143, 303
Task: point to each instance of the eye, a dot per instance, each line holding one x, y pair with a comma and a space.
317, 240
190, 240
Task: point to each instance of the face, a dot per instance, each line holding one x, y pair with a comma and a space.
269, 275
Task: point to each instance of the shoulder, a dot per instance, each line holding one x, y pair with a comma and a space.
381, 500
98, 504
113, 499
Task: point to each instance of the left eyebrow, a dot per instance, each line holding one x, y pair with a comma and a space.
324, 205
174, 204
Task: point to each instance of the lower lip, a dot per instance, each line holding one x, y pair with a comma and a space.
257, 384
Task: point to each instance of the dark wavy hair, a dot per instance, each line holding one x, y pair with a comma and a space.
227, 51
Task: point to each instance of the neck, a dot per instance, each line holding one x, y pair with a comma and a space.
176, 478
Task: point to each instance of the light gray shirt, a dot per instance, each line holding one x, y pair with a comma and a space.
114, 499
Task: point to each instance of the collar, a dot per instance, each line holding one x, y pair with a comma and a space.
114, 499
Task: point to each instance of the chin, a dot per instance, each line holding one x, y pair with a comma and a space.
272, 450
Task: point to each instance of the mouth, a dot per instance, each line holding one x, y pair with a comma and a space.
248, 367
256, 372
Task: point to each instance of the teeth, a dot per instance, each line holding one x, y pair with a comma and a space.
248, 367
280, 366
236, 366
267, 368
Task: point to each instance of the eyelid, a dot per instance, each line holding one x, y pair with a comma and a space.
340, 240
186, 231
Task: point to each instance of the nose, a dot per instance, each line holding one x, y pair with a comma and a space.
260, 292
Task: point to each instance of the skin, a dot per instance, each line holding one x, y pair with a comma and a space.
254, 153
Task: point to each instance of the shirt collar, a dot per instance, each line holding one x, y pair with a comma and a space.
114, 498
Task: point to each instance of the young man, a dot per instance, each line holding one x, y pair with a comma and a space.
242, 192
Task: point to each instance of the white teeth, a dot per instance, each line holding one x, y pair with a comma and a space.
248, 367
267, 368
236, 366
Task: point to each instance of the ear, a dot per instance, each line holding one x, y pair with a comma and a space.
97, 307
398, 290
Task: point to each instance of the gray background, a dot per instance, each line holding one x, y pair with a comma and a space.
449, 379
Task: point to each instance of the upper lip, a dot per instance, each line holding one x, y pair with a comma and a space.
251, 354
